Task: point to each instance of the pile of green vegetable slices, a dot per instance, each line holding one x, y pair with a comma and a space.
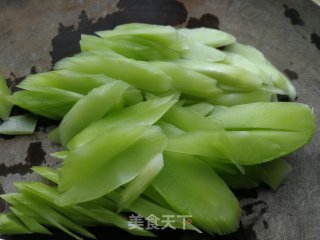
154, 121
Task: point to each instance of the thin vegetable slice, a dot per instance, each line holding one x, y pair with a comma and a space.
5, 104
9, 225
137, 73
91, 108
119, 156
208, 36
257, 57
138, 185
186, 181
276, 115
51, 103
144, 113
19, 125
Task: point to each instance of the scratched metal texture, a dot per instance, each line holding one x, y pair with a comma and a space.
35, 34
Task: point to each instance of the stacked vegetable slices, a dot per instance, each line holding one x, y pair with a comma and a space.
156, 121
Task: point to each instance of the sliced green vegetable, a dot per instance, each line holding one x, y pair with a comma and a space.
188, 81
227, 76
188, 120
144, 113
9, 225
186, 181
5, 104
47, 172
166, 35
138, 185
257, 57
208, 36
273, 116
31, 224
198, 51
114, 157
91, 108
19, 125
65, 80
235, 98
202, 108
137, 73
51, 103
129, 46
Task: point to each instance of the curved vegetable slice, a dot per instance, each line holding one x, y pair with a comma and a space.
271, 173
19, 125
129, 46
91, 108
5, 104
10, 224
198, 51
274, 115
226, 75
230, 99
257, 57
137, 73
65, 80
202, 108
85, 215
144, 113
114, 158
186, 182
51, 103
236, 146
189, 81
208, 36
31, 224
46, 215
138, 185
188, 120
162, 34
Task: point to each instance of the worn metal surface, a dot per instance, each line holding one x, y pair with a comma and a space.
35, 34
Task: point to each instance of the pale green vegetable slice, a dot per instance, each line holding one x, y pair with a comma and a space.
9, 224
19, 125
144, 113
226, 75
138, 185
188, 120
208, 36
257, 57
31, 224
47, 172
65, 80
86, 215
129, 46
91, 108
189, 81
51, 103
47, 215
5, 104
162, 34
271, 173
275, 172
186, 182
230, 99
198, 51
267, 144
202, 108
119, 156
137, 73
275, 115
